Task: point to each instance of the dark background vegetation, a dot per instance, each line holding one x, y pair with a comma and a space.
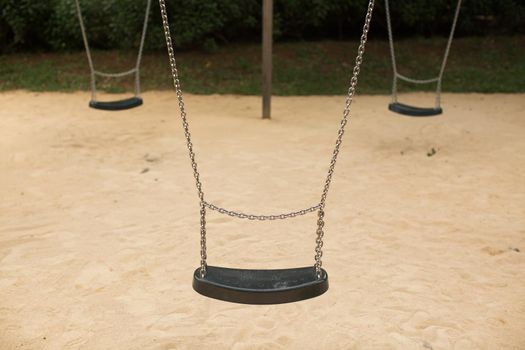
218, 45
52, 25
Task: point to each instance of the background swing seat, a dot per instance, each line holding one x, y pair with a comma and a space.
118, 105
260, 286
414, 111
411, 110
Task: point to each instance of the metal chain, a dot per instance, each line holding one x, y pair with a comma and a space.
397, 75
141, 48
94, 72
203, 240
88, 51
349, 99
319, 243
319, 207
416, 81
447, 52
178, 90
241, 215
115, 75
392, 52
185, 126
340, 133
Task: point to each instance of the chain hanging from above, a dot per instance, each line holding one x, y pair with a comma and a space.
331, 168
121, 104
438, 80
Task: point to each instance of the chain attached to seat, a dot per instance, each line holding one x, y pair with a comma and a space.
94, 73
319, 207
400, 76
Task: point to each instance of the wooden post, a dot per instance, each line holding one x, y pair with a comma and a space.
267, 58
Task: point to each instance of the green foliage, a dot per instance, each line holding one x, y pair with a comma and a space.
477, 17
195, 22
64, 30
300, 68
23, 21
109, 24
53, 24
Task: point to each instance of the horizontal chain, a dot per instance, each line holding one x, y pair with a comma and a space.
115, 75
241, 215
416, 81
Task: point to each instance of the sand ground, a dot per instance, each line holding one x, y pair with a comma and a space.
99, 223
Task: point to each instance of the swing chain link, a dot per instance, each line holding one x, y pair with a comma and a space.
94, 73
319, 207
340, 134
241, 215
397, 75
348, 102
187, 135
178, 90
319, 243
203, 240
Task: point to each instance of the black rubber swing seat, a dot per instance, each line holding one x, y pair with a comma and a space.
414, 111
260, 286
118, 105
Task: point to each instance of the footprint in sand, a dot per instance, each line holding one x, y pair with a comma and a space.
492, 251
151, 158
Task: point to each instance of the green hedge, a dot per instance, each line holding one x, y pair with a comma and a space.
53, 24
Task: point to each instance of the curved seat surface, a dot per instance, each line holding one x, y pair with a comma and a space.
260, 286
118, 105
414, 111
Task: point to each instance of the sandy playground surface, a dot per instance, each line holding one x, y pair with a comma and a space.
99, 223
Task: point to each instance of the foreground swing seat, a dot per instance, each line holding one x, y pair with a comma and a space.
267, 286
118, 105
414, 111
260, 286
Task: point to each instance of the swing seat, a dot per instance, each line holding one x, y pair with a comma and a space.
414, 111
118, 105
260, 286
